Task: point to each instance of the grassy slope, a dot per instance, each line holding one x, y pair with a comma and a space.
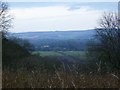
47, 71
60, 79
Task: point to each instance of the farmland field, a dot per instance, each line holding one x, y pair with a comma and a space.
76, 55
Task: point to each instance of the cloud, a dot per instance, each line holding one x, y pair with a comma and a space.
52, 18
62, 0
40, 12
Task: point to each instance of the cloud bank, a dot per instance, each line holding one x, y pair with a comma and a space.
62, 0
54, 18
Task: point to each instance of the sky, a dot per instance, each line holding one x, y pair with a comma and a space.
57, 16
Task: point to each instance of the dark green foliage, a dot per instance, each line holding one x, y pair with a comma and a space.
23, 43
12, 51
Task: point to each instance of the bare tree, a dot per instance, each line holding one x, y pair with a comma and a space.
5, 18
108, 34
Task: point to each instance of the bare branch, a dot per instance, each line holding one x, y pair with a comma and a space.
5, 18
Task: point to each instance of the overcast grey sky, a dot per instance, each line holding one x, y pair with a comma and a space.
57, 16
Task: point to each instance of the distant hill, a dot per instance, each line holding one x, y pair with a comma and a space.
58, 40
61, 35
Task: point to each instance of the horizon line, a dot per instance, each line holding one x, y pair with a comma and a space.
53, 31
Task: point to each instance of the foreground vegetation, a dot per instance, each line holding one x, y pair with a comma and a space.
38, 72
37, 79
51, 70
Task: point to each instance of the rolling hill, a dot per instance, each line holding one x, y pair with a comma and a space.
58, 40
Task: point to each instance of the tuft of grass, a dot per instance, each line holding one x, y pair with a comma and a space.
22, 78
39, 72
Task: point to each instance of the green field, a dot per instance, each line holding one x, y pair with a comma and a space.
74, 54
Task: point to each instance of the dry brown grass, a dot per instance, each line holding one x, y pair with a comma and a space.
60, 79
35, 72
